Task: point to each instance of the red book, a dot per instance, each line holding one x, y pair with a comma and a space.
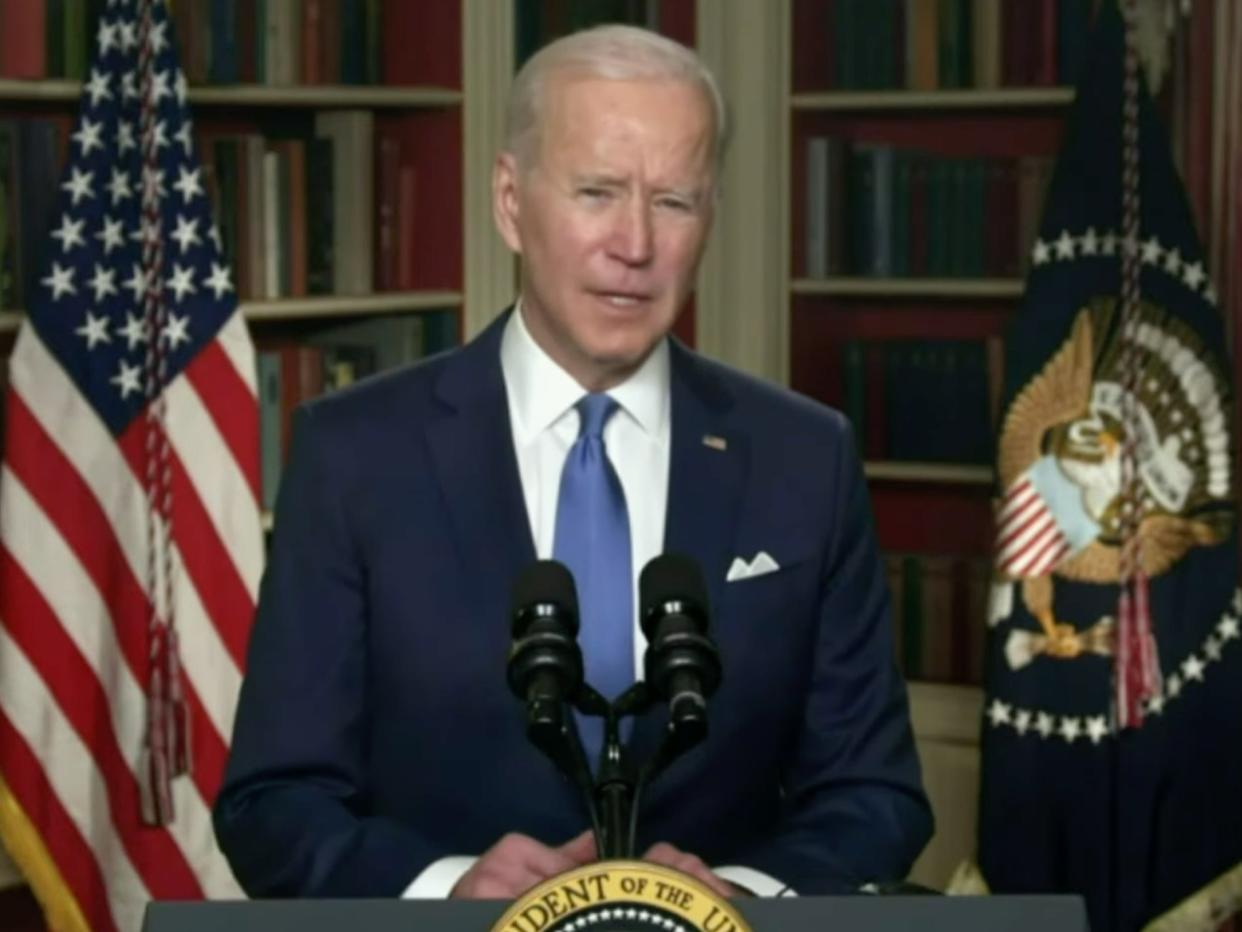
1044, 70
875, 443
312, 37
330, 40
421, 43
387, 186
1001, 218
919, 228
301, 379
246, 27
1016, 40
295, 154
406, 246
22, 47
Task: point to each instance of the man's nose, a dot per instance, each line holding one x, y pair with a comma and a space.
633, 238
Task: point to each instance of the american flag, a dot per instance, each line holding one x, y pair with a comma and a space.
1028, 541
130, 538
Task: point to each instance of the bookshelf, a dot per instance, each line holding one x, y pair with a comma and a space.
940, 132
407, 82
1009, 98
286, 309
319, 96
868, 300
948, 473
845, 287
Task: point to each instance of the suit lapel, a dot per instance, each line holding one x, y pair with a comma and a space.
472, 447
708, 467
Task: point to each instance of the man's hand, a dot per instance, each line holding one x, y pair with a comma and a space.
517, 862
669, 856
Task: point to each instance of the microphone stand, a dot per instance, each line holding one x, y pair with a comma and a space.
614, 792
618, 785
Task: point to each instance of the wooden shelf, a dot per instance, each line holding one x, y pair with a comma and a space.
395, 302
363, 305
948, 473
862, 287
260, 95
1011, 97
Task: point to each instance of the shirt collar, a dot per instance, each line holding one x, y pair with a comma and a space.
540, 391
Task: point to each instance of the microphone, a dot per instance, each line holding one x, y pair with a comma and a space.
545, 669
545, 661
682, 665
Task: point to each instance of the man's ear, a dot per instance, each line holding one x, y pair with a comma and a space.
505, 181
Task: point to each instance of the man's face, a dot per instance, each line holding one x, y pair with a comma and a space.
610, 219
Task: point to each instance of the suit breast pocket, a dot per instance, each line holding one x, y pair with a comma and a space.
783, 554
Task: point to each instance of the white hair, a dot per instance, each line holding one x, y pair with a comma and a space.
613, 52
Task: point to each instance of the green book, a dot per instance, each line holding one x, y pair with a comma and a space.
900, 220
270, 459
75, 39
938, 232
959, 218
54, 38
976, 185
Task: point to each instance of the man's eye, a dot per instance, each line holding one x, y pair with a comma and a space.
595, 194
675, 203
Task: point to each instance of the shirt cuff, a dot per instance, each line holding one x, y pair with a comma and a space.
437, 880
757, 882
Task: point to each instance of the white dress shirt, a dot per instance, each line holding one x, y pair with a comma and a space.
542, 414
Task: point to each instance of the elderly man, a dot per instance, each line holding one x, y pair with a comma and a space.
377, 749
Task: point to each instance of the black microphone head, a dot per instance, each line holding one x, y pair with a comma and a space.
544, 583
671, 577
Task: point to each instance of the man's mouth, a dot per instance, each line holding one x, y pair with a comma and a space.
623, 298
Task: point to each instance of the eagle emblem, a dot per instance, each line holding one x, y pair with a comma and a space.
1059, 466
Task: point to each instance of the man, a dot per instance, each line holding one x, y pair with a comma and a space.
376, 739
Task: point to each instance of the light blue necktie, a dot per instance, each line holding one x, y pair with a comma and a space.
593, 540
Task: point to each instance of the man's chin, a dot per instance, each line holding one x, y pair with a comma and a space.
616, 364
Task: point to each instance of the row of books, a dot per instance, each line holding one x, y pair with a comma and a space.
929, 44
877, 210
47, 38
294, 370
299, 215
940, 605
281, 41
925, 401
540, 21
329, 211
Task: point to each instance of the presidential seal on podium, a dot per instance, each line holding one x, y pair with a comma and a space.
621, 896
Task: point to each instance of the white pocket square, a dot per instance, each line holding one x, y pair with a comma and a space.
740, 569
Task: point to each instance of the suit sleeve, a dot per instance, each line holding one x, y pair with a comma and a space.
292, 817
854, 807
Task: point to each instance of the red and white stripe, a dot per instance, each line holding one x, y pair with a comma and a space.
1028, 541
74, 608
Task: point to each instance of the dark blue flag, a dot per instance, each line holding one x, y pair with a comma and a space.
1118, 427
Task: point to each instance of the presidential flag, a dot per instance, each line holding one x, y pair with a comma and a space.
1112, 738
130, 539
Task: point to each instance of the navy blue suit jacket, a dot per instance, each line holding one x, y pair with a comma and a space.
375, 731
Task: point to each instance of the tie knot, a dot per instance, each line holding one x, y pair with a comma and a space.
595, 410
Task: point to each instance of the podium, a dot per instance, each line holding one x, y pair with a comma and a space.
791, 914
